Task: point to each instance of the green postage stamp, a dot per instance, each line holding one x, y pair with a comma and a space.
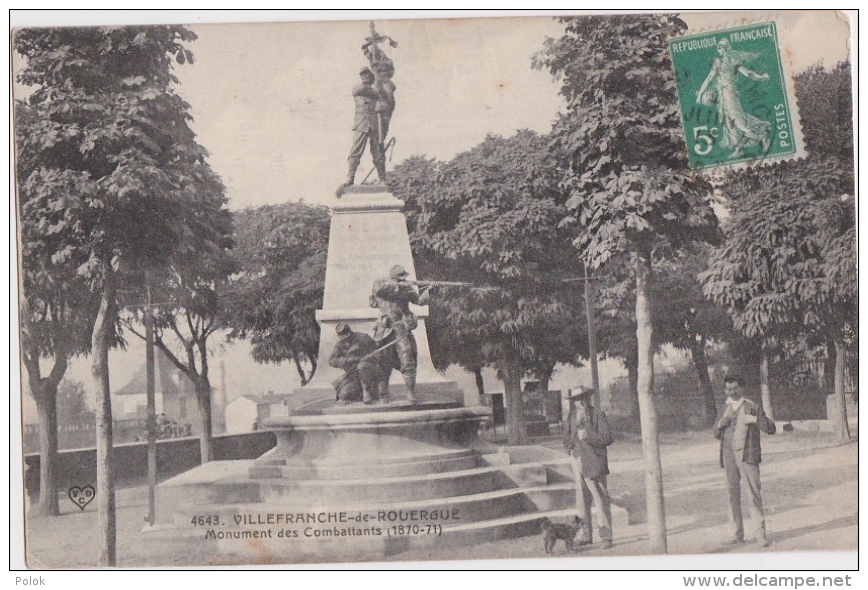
736, 100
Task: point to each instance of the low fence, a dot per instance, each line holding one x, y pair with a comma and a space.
174, 456
798, 392
83, 434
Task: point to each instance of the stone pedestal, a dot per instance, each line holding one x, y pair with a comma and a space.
353, 482
402, 440
368, 236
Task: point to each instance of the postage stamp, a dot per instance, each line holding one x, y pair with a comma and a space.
734, 95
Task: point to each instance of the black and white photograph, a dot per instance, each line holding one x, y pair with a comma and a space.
575, 291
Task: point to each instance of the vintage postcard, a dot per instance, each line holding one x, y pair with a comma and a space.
578, 290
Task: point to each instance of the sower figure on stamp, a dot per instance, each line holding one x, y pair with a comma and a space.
586, 436
740, 129
393, 297
740, 455
353, 354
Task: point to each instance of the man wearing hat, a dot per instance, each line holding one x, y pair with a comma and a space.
365, 129
393, 297
586, 437
359, 381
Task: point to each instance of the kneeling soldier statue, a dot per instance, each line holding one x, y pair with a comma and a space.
352, 353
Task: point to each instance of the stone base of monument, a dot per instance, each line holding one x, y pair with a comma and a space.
359, 483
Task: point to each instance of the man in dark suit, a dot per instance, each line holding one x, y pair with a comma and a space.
740, 455
586, 436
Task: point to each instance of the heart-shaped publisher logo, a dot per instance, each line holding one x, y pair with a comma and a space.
81, 497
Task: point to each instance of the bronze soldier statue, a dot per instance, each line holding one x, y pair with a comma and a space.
393, 296
353, 354
365, 129
383, 68
375, 103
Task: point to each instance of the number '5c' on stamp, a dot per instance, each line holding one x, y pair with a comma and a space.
733, 96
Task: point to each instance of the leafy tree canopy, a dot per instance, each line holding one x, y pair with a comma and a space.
629, 185
489, 217
788, 266
108, 166
280, 252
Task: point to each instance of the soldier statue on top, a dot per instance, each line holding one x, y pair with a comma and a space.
375, 102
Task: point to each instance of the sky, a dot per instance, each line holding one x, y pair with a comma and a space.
272, 103
278, 120
278, 123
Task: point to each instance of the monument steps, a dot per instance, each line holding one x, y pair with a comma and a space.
519, 496
407, 488
236, 488
337, 473
430, 463
471, 508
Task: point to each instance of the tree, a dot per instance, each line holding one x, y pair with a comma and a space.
118, 180
280, 253
72, 406
788, 267
616, 325
686, 319
192, 304
631, 193
489, 217
57, 307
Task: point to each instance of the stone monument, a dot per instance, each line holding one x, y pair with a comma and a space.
353, 481
368, 236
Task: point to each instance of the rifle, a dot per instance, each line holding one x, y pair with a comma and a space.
389, 144
440, 284
351, 372
374, 352
475, 288
384, 347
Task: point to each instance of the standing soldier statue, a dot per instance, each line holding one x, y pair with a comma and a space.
375, 102
396, 323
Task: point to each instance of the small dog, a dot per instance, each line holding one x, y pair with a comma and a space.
553, 532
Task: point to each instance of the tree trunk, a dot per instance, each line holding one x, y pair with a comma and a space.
44, 392
305, 379
516, 431
203, 397
827, 383
631, 361
700, 362
105, 485
765, 388
46, 406
843, 427
592, 339
480, 383
647, 412
206, 436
